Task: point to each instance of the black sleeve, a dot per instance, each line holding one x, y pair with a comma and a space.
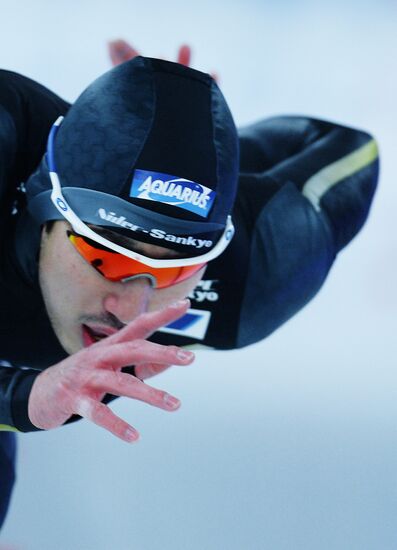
27, 111
333, 166
305, 191
15, 387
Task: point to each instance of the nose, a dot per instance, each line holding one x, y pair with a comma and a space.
128, 300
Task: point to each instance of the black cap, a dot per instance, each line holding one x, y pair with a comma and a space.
149, 145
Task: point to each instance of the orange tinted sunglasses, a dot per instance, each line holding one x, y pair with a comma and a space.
116, 267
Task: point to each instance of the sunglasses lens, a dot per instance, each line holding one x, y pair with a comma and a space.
116, 267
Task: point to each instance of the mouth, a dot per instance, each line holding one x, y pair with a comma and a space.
91, 335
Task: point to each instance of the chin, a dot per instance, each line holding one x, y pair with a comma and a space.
71, 344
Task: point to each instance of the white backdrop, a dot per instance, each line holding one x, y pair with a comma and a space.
291, 443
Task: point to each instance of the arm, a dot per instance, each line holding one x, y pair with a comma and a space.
27, 111
15, 386
306, 189
334, 167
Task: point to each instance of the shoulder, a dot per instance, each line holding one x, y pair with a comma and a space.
27, 111
28, 101
12, 83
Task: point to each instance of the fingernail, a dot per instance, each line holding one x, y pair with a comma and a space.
131, 435
184, 355
179, 303
171, 402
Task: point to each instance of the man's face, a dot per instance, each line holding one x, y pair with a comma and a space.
82, 305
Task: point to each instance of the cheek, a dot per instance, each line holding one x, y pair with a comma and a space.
68, 283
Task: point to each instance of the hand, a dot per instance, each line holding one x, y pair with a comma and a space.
77, 384
120, 51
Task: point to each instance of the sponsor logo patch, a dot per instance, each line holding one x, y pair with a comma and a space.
167, 189
193, 324
187, 240
205, 290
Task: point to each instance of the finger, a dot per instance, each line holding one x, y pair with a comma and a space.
147, 370
147, 323
215, 76
100, 414
120, 51
123, 354
125, 385
184, 55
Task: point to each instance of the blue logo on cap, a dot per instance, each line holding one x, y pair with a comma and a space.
167, 189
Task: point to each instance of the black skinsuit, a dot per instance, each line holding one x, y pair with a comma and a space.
305, 190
